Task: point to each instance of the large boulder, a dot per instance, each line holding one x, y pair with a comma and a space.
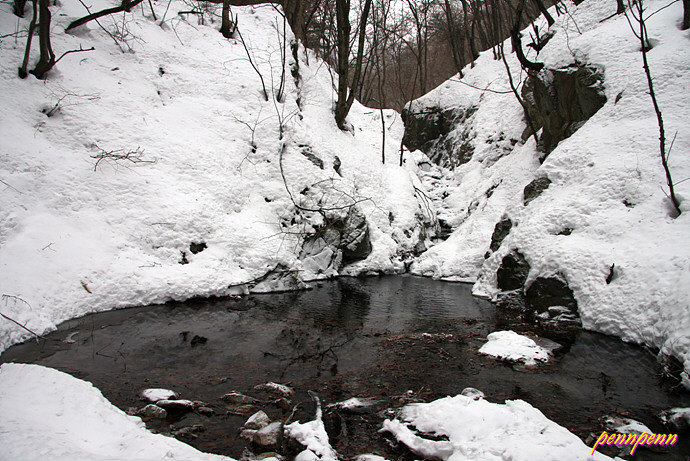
561, 100
342, 238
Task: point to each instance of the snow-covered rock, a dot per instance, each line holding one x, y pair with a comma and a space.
510, 346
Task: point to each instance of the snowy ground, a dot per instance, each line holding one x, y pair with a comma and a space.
613, 160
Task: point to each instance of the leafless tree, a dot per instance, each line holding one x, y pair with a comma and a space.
346, 97
639, 28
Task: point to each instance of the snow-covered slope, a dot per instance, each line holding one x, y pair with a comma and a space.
608, 185
81, 231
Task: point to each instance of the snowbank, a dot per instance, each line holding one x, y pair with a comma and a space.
47, 414
199, 205
508, 345
606, 203
478, 430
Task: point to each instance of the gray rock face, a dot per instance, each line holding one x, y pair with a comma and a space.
270, 435
430, 129
534, 189
349, 234
513, 272
258, 420
176, 405
501, 231
153, 411
561, 101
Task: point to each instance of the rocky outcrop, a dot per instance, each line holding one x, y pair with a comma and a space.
561, 100
342, 238
534, 189
501, 231
513, 272
443, 134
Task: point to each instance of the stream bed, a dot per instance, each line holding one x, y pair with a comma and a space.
394, 339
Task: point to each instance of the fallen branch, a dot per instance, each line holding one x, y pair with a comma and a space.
73, 51
27, 329
125, 6
133, 156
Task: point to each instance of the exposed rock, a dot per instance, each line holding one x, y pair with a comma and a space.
501, 231
511, 300
196, 340
248, 434
280, 278
434, 130
513, 271
676, 419
270, 435
348, 233
354, 238
552, 291
280, 390
471, 392
195, 247
206, 411
176, 405
189, 432
258, 420
534, 189
561, 100
153, 411
307, 152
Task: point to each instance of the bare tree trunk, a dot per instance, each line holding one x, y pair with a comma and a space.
457, 60
46, 60
225, 26
644, 48
19, 6
345, 100
621, 7
469, 31
686, 15
544, 11
27, 52
517, 43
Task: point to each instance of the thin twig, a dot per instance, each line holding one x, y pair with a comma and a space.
27, 329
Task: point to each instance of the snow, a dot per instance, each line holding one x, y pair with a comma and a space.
313, 436
508, 345
478, 430
47, 414
607, 181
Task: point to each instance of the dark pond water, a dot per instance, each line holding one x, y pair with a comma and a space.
395, 339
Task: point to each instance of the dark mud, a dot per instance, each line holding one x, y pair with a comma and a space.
394, 339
